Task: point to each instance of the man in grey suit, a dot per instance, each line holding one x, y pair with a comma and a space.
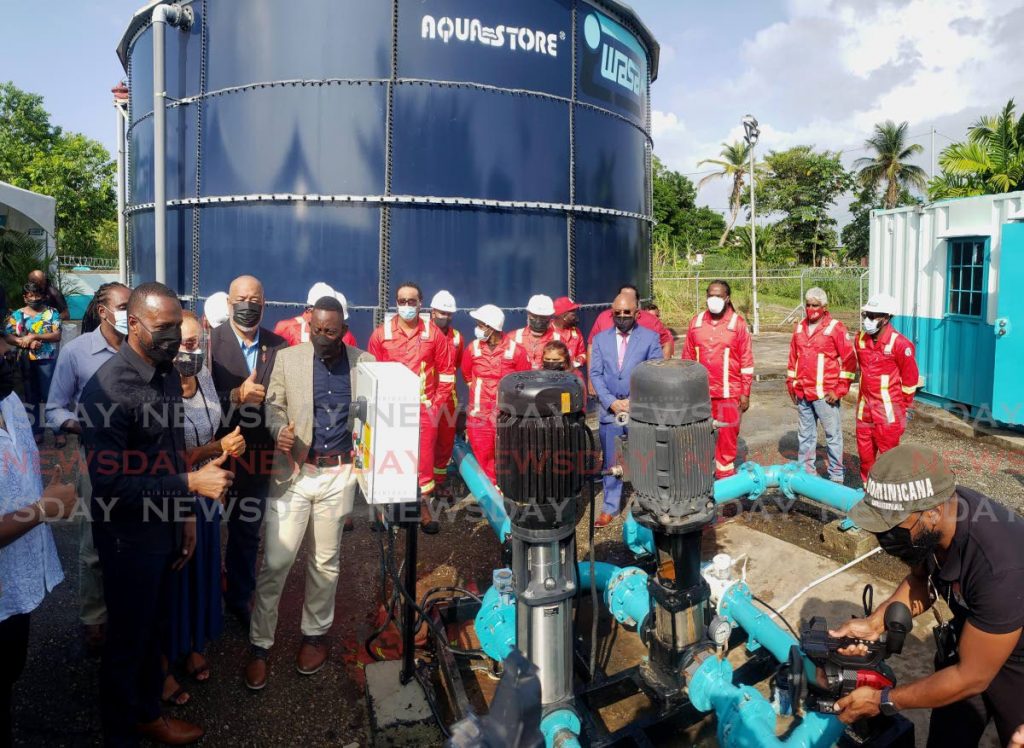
616, 352
310, 391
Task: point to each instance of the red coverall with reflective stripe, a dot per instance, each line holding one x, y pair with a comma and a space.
889, 379
822, 361
532, 344
296, 330
723, 346
483, 367
447, 416
427, 353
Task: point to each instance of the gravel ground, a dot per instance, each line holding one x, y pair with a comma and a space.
56, 699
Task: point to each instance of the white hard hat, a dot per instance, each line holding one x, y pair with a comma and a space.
881, 303
317, 292
215, 309
443, 302
490, 315
541, 305
344, 303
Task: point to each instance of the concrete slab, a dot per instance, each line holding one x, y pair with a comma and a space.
399, 715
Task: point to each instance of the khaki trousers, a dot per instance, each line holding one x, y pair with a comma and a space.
324, 495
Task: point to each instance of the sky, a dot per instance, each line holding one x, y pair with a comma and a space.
813, 72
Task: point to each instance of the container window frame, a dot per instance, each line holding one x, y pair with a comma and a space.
956, 287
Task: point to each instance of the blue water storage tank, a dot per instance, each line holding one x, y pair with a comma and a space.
495, 149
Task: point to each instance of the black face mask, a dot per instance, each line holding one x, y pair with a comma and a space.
8, 377
37, 306
899, 542
624, 324
163, 345
442, 322
325, 347
188, 363
538, 324
247, 314
552, 366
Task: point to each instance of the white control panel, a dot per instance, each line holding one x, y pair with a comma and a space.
386, 432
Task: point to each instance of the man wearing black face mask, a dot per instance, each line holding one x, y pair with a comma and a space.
142, 502
242, 355
313, 483
967, 549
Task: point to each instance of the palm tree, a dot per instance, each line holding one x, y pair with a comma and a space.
990, 162
733, 164
889, 164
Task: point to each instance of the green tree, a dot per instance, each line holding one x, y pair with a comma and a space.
857, 233
889, 163
733, 164
769, 239
802, 185
990, 162
681, 223
76, 171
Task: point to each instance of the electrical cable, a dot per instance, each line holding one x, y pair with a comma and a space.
828, 576
779, 615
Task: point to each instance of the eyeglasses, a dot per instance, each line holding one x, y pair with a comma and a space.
408, 302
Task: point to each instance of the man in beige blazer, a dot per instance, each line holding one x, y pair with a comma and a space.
311, 387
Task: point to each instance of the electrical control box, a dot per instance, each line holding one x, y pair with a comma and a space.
386, 432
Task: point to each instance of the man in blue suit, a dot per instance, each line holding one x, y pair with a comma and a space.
616, 352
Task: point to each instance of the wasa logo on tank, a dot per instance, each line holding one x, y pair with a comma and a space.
614, 65
513, 38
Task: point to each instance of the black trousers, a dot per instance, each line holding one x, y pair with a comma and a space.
244, 517
962, 724
13, 652
131, 677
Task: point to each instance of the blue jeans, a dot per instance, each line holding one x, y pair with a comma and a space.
609, 432
38, 375
810, 413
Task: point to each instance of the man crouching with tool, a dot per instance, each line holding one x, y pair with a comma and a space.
969, 550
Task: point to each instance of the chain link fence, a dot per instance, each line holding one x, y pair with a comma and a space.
780, 293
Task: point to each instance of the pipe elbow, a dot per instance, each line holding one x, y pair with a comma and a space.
172, 15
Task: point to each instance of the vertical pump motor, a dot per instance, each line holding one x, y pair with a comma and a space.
543, 447
668, 456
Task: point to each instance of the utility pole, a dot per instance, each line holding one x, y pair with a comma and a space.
933, 151
750, 134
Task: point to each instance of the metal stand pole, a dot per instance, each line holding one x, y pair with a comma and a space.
409, 514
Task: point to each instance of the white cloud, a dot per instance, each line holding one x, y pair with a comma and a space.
829, 70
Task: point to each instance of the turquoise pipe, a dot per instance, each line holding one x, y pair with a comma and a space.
487, 496
561, 729
746, 719
751, 481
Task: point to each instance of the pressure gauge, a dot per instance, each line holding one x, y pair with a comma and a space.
719, 631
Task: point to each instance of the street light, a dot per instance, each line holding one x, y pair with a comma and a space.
750, 134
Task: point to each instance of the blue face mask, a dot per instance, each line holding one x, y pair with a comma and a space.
120, 320
408, 313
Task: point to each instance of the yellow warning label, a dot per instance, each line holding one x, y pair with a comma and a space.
566, 402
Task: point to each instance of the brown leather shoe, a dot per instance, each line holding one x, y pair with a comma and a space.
350, 524
256, 670
312, 655
429, 525
170, 731
604, 520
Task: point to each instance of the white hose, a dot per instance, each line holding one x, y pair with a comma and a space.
825, 578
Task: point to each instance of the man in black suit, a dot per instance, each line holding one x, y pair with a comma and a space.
242, 357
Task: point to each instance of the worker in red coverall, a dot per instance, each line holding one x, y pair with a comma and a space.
296, 329
422, 347
538, 331
889, 379
442, 309
645, 318
821, 368
485, 361
718, 338
565, 328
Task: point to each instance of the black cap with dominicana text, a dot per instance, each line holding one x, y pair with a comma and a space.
910, 478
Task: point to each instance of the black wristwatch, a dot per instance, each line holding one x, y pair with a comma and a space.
885, 705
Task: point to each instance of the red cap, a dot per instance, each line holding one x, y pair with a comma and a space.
564, 304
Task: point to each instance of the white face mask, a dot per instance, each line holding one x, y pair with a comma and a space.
120, 320
870, 326
716, 304
480, 333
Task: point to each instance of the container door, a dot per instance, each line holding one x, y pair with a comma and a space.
1007, 381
